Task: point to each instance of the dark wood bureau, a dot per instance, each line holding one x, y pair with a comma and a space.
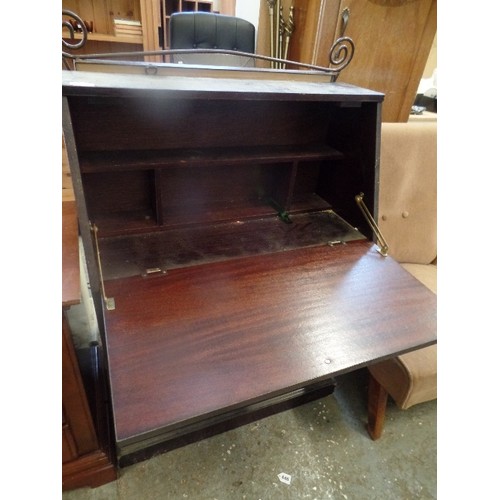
228, 258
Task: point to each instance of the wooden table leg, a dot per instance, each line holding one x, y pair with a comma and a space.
377, 402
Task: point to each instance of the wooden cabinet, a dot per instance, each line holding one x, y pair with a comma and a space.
392, 43
84, 458
233, 265
85, 462
140, 34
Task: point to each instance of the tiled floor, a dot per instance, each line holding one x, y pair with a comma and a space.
322, 446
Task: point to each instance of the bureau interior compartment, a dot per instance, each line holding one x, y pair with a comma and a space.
121, 201
176, 182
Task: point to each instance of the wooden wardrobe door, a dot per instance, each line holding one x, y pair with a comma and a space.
392, 41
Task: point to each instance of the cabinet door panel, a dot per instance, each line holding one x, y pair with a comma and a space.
69, 449
393, 41
76, 407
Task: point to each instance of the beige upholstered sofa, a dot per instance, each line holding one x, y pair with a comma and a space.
408, 221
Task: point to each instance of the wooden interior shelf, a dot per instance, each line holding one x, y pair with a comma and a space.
196, 5
100, 16
105, 37
137, 191
100, 161
127, 221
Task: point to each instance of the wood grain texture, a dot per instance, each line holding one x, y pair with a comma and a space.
393, 40
85, 458
75, 406
392, 43
70, 255
310, 40
102, 14
219, 336
67, 183
150, 19
377, 402
91, 470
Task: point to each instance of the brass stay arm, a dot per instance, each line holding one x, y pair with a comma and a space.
383, 247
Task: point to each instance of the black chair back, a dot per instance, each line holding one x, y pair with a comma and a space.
204, 30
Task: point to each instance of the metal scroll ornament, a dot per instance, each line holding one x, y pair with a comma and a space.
72, 23
341, 53
342, 50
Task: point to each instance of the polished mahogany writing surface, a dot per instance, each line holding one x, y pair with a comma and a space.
207, 338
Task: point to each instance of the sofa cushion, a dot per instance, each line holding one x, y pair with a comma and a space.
410, 378
408, 191
408, 221
425, 273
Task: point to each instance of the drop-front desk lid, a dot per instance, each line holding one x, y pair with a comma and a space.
204, 340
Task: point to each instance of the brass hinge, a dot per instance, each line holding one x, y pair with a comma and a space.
383, 247
153, 271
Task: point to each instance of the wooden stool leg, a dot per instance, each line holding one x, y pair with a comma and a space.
377, 402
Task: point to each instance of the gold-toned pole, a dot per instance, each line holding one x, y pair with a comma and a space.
277, 30
282, 31
271, 4
289, 26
